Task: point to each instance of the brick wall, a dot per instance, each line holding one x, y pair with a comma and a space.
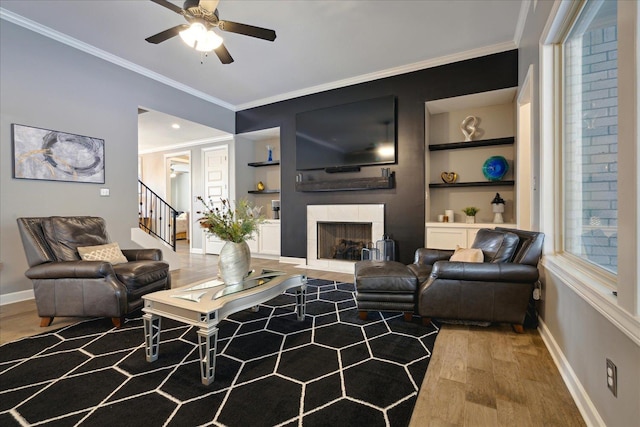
591, 213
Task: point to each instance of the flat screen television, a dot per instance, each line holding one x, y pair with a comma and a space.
347, 136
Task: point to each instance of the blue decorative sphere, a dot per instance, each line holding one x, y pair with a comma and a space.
495, 168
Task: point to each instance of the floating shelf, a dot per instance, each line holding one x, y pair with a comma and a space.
472, 144
260, 164
263, 192
375, 183
472, 184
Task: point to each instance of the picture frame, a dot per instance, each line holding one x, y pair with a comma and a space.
50, 155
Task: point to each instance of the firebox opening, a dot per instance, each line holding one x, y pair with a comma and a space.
343, 240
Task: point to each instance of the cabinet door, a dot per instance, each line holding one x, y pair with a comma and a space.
213, 245
471, 236
253, 244
269, 240
446, 238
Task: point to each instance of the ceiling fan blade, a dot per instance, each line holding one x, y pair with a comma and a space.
223, 54
169, 6
167, 34
247, 30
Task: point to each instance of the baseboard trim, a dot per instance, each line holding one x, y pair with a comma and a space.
579, 394
196, 251
16, 297
266, 256
292, 260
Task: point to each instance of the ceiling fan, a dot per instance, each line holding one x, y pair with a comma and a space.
202, 17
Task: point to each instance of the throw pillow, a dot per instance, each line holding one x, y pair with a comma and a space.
110, 252
467, 255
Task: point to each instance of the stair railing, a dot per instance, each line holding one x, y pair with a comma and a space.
156, 216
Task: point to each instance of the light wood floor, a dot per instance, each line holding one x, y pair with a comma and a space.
477, 376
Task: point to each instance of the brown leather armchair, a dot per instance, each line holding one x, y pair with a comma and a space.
496, 290
65, 285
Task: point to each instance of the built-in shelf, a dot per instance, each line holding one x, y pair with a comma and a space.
373, 183
472, 184
260, 164
472, 144
264, 191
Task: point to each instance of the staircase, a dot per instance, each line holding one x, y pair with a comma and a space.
155, 216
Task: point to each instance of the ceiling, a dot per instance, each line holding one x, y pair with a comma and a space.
320, 44
157, 131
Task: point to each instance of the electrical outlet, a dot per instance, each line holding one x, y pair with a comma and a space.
536, 294
537, 291
612, 377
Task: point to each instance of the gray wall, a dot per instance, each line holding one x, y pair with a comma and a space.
46, 84
585, 336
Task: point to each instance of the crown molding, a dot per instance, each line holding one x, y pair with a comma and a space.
99, 53
525, 6
390, 72
186, 144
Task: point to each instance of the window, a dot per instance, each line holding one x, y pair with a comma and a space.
590, 136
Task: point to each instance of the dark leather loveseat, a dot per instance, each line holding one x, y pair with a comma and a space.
66, 285
496, 290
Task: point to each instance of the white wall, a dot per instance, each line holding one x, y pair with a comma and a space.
47, 84
180, 191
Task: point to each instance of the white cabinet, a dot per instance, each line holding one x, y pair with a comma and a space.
269, 238
266, 242
253, 244
212, 244
439, 235
446, 238
471, 234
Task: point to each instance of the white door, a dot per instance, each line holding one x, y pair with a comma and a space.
216, 187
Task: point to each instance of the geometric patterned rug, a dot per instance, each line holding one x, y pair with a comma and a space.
332, 369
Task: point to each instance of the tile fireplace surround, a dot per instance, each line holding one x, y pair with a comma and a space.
373, 213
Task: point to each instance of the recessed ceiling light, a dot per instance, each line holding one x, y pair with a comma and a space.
175, 126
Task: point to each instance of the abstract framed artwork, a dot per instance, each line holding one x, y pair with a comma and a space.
56, 156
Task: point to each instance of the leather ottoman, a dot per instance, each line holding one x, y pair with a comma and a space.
385, 286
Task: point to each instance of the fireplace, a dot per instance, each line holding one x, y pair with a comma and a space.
342, 216
342, 240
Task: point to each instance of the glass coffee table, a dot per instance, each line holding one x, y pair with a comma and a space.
206, 303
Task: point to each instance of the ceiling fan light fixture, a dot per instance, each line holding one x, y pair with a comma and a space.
199, 38
209, 42
193, 34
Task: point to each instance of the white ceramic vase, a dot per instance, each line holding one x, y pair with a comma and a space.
471, 219
234, 262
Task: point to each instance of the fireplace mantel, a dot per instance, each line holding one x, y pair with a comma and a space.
350, 184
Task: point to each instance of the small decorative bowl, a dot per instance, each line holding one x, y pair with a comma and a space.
495, 168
